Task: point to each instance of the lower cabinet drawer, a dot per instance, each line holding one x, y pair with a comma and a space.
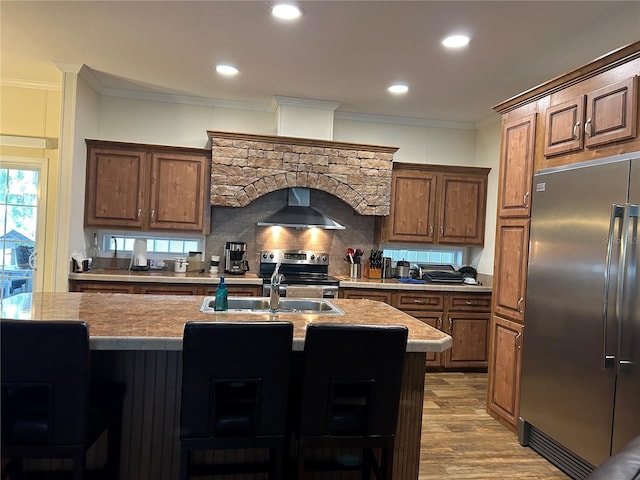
469, 302
419, 301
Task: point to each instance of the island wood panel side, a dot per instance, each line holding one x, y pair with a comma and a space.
151, 415
150, 443
406, 460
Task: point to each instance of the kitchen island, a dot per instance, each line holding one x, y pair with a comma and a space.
136, 339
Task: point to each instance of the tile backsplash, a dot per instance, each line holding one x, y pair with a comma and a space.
239, 224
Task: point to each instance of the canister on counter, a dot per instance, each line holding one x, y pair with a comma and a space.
194, 262
386, 267
403, 269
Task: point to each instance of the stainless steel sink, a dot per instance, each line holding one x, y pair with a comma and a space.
260, 305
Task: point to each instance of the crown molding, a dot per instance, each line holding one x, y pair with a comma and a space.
391, 119
37, 85
306, 103
43, 143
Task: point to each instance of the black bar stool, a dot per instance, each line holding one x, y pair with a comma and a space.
351, 380
235, 388
47, 407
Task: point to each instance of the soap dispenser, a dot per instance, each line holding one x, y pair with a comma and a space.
221, 302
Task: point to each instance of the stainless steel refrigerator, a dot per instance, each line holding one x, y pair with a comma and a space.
580, 391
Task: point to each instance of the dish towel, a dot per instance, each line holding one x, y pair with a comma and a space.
410, 280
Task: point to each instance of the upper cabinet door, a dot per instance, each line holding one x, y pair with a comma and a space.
611, 113
565, 127
462, 209
179, 192
413, 206
116, 188
516, 167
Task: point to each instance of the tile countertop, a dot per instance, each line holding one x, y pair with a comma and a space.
163, 276
395, 284
155, 322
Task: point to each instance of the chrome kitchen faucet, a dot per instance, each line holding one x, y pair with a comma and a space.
274, 297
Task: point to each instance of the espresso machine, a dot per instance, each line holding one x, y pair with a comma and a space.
234, 261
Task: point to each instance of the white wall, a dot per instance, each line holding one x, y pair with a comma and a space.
416, 144
163, 123
166, 123
488, 155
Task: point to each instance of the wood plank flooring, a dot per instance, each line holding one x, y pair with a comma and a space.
461, 441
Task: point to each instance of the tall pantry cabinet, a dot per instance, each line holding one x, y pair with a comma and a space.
588, 113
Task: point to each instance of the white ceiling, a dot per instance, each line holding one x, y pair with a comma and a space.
341, 51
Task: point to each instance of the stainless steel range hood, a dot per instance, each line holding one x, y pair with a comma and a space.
298, 214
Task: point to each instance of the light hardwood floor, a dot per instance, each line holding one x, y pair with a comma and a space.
461, 441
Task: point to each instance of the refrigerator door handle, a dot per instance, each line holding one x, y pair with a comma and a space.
617, 211
630, 211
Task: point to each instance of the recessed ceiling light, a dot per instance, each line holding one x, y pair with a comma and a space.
226, 69
456, 41
286, 11
398, 88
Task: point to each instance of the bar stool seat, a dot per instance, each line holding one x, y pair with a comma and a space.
235, 389
350, 394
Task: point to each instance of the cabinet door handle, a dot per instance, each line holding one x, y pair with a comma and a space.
431, 230
450, 324
519, 305
424, 302
525, 200
469, 302
587, 127
517, 340
153, 216
439, 322
442, 230
139, 214
576, 131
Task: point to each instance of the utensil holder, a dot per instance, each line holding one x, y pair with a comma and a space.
356, 270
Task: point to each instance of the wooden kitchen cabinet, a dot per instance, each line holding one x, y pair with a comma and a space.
463, 316
100, 287
147, 187
435, 204
544, 127
467, 322
155, 288
503, 395
510, 270
366, 294
516, 166
462, 209
606, 115
236, 290
171, 289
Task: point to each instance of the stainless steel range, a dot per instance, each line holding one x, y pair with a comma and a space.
304, 268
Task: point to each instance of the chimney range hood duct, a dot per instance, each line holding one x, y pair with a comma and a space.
298, 214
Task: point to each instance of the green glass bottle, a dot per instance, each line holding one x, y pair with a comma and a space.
221, 303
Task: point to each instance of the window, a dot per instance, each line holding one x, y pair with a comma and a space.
159, 245
450, 256
19, 215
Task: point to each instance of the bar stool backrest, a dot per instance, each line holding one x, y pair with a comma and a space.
235, 379
45, 382
352, 378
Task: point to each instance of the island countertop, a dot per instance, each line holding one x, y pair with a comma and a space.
156, 322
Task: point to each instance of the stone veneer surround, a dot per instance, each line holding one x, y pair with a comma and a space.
245, 167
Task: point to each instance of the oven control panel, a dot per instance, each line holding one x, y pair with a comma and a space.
296, 257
